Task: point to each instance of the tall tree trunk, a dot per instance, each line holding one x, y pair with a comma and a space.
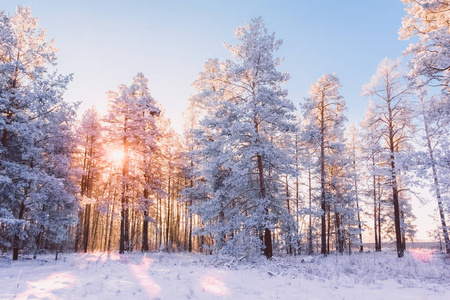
190, 230
359, 220
123, 224
437, 188
288, 240
268, 251
16, 236
339, 243
110, 228
124, 213
160, 223
157, 223
104, 245
310, 239
168, 214
87, 222
78, 231
322, 179
328, 233
375, 225
357, 207
95, 223
145, 222
398, 233
190, 217
379, 216
102, 231
145, 232
186, 227
402, 220
297, 194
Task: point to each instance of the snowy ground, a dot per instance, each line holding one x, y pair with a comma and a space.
420, 275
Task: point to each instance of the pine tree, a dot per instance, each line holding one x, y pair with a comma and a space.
91, 162
324, 110
394, 112
429, 20
132, 129
435, 136
239, 168
370, 137
37, 196
353, 143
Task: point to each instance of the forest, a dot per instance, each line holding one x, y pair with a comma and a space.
250, 175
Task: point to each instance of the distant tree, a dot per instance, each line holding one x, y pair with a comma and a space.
196, 107
91, 161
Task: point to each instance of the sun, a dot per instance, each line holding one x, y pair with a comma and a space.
116, 155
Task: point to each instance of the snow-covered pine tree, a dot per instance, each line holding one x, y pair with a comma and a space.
394, 112
169, 163
90, 160
325, 111
354, 152
238, 167
429, 20
192, 115
435, 166
131, 128
37, 197
370, 136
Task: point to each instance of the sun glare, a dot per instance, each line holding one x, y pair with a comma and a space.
116, 155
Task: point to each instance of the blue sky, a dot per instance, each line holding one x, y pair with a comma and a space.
105, 43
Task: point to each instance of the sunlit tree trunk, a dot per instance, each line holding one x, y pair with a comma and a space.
323, 203
168, 214
436, 184
310, 238
375, 204
124, 222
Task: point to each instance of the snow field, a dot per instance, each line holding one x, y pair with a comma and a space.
420, 275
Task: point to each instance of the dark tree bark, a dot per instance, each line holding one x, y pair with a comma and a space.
398, 233
268, 251
124, 213
379, 216
87, 222
437, 188
16, 237
375, 203
145, 232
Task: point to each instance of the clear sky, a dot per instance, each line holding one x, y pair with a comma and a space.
106, 42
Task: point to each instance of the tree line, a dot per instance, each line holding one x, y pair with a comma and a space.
249, 175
